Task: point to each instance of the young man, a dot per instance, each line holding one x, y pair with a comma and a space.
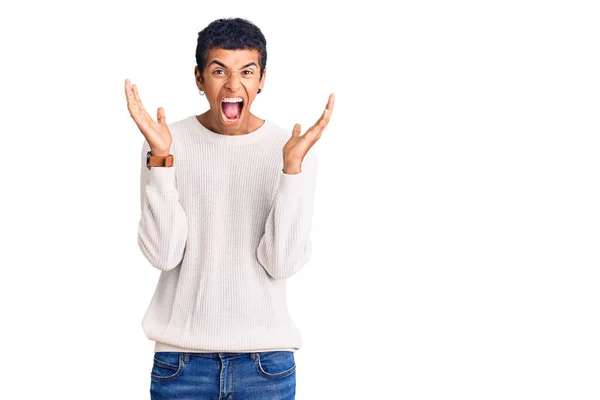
226, 211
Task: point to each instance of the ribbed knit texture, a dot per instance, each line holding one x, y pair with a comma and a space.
226, 227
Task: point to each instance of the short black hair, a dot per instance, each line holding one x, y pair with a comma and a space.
231, 34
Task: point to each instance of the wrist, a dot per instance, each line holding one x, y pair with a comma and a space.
292, 169
159, 153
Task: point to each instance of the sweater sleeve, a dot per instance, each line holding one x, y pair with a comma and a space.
162, 228
286, 244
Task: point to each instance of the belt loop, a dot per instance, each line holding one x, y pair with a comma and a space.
186, 357
253, 356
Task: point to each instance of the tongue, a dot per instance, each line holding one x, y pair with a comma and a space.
232, 110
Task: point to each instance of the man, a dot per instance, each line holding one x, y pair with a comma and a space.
226, 210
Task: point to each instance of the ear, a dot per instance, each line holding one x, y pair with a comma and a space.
198, 77
262, 81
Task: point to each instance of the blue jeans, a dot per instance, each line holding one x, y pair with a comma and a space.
269, 375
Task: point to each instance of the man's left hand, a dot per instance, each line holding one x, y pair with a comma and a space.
297, 147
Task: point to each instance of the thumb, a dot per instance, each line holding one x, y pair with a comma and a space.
160, 114
296, 130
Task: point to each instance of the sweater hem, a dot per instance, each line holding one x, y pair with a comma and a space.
160, 346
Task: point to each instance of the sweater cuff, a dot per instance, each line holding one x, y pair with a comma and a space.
292, 182
162, 179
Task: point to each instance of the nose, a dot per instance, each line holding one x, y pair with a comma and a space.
233, 83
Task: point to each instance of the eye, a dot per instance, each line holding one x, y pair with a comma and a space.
248, 72
218, 72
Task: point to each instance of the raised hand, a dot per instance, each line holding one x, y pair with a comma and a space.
297, 147
157, 134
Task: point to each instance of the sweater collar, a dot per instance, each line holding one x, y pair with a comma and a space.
230, 140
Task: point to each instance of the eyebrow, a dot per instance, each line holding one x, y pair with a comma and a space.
224, 66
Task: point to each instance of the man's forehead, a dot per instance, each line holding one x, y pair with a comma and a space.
233, 58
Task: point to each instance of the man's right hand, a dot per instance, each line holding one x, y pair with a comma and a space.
157, 134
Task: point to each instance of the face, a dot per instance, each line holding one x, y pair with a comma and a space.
230, 82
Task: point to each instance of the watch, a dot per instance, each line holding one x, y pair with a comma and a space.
158, 161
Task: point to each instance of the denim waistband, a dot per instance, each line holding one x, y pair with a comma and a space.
222, 355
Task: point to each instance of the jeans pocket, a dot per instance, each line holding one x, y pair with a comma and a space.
275, 364
167, 365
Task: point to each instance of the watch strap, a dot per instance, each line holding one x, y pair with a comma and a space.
158, 161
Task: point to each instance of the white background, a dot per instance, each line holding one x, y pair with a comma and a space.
457, 219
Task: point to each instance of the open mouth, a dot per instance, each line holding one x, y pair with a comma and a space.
231, 108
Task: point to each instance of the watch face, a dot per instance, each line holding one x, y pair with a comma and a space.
148, 159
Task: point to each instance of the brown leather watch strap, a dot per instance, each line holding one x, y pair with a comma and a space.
158, 161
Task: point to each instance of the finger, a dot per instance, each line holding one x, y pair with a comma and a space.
137, 98
131, 101
136, 109
324, 120
129, 93
329, 108
127, 89
136, 95
315, 131
326, 115
296, 130
330, 102
321, 123
160, 115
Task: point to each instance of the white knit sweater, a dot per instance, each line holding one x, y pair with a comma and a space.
226, 227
